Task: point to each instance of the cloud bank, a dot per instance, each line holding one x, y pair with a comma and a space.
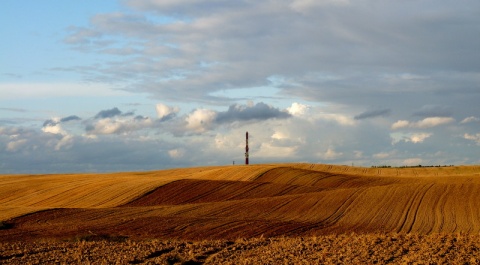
330, 81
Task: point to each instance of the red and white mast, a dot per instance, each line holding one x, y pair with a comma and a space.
246, 149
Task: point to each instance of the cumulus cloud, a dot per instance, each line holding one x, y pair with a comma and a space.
422, 124
200, 120
187, 53
165, 112
119, 125
54, 128
298, 109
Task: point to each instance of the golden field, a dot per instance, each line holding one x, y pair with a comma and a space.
236, 213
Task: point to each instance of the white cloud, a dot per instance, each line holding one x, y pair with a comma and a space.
433, 122
381, 155
279, 136
270, 150
473, 137
340, 56
119, 125
15, 145
330, 154
298, 109
412, 161
200, 120
419, 137
425, 123
416, 137
358, 154
400, 124
54, 127
107, 126
164, 111
176, 153
338, 118
66, 142
409, 137
470, 119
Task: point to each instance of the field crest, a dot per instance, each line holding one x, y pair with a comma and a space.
243, 201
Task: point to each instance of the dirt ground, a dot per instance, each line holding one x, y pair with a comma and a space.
265, 214
328, 249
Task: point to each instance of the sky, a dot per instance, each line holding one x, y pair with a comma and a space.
130, 85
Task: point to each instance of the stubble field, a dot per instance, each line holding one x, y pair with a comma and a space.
257, 214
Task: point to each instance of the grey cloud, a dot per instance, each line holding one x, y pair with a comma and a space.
259, 111
81, 35
130, 113
140, 117
14, 109
421, 57
168, 117
108, 113
70, 118
105, 154
7, 121
372, 114
417, 43
434, 111
51, 122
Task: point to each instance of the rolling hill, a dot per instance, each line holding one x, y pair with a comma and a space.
229, 202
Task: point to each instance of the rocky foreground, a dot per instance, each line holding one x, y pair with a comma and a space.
330, 249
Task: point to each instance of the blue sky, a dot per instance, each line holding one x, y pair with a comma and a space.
146, 84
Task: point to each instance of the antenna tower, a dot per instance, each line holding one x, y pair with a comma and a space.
246, 149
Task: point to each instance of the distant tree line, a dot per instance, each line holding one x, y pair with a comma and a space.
387, 166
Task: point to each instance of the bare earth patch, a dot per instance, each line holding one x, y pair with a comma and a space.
329, 249
259, 214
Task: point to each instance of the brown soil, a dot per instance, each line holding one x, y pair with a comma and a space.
315, 206
329, 249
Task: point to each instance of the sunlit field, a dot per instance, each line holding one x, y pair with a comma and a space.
231, 214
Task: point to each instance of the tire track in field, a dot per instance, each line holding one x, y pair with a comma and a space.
417, 207
342, 209
201, 191
438, 208
305, 177
411, 210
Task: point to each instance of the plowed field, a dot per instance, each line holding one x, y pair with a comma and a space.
232, 202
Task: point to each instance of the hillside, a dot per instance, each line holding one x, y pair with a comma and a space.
233, 202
